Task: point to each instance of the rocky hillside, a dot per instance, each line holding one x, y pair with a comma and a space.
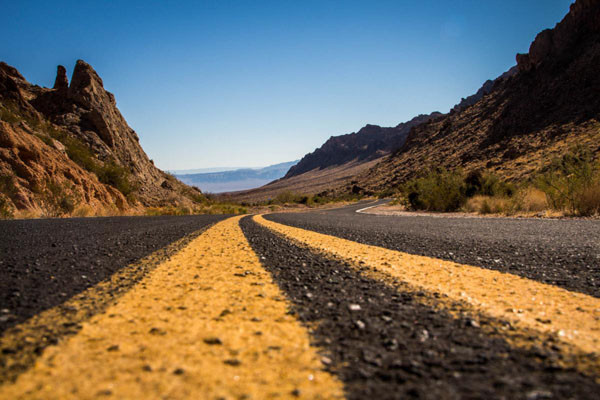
68, 150
550, 104
369, 143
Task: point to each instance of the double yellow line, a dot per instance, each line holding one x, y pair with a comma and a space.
538, 314
211, 323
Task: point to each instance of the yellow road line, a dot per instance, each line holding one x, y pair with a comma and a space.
22, 343
208, 323
572, 319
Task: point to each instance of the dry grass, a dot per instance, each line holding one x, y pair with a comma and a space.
526, 201
589, 203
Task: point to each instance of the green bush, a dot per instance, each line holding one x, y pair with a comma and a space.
58, 200
487, 184
569, 182
438, 190
288, 197
113, 174
8, 116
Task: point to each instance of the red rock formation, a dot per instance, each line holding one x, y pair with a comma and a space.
67, 140
582, 20
61, 81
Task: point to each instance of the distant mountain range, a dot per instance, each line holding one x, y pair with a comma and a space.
237, 179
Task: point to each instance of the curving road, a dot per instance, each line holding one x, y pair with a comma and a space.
565, 253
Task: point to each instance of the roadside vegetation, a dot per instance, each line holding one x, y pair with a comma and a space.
293, 199
569, 185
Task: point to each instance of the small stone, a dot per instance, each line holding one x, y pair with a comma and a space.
354, 307
295, 393
472, 323
326, 360
234, 362
157, 331
212, 340
113, 348
538, 395
423, 335
360, 325
179, 371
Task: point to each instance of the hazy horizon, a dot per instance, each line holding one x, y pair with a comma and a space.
255, 84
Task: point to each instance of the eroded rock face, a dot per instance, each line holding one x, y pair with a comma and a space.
85, 113
583, 19
61, 81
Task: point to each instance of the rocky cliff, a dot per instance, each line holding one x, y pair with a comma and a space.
484, 90
551, 104
69, 148
369, 143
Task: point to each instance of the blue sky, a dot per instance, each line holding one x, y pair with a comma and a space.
252, 83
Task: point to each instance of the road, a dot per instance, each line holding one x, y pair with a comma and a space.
321, 304
565, 253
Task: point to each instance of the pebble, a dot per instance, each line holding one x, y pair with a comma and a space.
213, 341
234, 362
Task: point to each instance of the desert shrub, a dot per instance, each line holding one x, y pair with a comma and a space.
389, 192
8, 185
489, 204
438, 190
58, 200
83, 211
6, 208
528, 199
113, 174
287, 197
195, 194
9, 116
484, 183
486, 208
569, 181
589, 201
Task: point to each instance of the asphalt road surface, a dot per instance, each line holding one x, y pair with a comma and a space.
44, 262
317, 305
565, 252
